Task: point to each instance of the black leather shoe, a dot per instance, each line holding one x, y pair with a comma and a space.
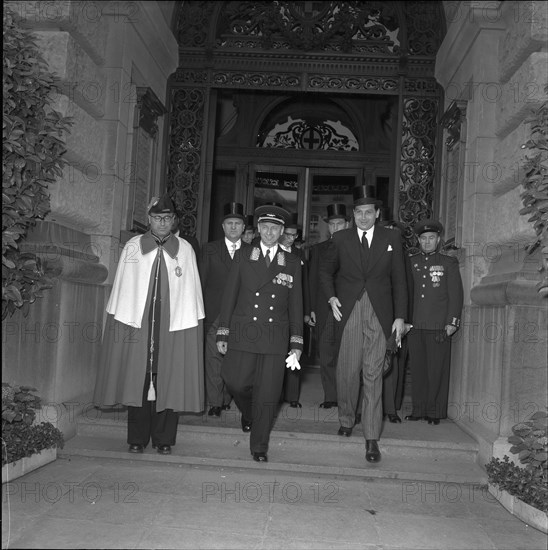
345, 431
372, 453
434, 421
295, 405
225, 407
358, 418
136, 448
260, 457
414, 418
215, 411
328, 404
164, 449
394, 418
246, 425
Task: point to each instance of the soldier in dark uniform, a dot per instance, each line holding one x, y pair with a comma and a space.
437, 306
320, 312
261, 321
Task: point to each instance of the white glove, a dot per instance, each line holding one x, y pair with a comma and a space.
292, 362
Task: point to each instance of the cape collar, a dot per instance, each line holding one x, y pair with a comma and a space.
150, 242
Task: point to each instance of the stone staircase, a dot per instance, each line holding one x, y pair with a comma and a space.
303, 441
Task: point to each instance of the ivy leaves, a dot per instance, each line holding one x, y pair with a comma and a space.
32, 153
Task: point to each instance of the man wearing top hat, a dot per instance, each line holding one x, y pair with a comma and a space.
152, 353
320, 312
292, 380
216, 261
437, 306
363, 274
261, 321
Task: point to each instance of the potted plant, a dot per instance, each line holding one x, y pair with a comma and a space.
26, 443
523, 491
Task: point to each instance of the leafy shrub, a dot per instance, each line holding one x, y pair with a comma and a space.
32, 149
529, 483
21, 436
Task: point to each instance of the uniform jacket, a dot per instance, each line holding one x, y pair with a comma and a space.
342, 274
262, 309
304, 265
438, 293
215, 266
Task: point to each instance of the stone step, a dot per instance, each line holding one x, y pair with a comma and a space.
411, 452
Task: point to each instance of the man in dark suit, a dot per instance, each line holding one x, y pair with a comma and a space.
437, 306
392, 391
320, 312
216, 261
261, 320
364, 276
292, 379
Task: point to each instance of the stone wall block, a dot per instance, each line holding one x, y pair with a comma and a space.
76, 198
81, 79
508, 226
527, 24
510, 157
523, 93
86, 140
87, 22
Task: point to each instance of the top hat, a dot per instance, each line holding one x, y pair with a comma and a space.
272, 212
334, 211
250, 221
162, 205
428, 225
365, 194
292, 222
233, 210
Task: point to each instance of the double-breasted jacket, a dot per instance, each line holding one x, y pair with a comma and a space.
262, 307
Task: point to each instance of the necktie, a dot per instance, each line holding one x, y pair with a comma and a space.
267, 258
232, 250
365, 243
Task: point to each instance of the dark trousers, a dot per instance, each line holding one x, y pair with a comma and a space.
216, 393
328, 360
144, 423
255, 381
429, 359
392, 391
292, 384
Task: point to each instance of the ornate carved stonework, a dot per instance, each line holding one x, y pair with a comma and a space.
350, 83
333, 47
185, 153
255, 80
418, 163
371, 27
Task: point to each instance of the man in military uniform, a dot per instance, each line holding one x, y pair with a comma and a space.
320, 312
437, 306
261, 320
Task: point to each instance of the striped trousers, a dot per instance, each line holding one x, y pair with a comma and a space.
362, 351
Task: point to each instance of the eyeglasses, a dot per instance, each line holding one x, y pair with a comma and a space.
164, 219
